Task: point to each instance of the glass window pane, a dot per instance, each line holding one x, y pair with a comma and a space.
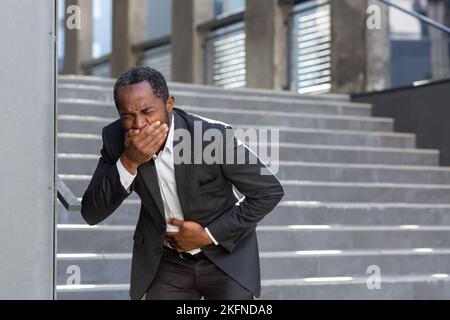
159, 18
102, 28
61, 29
225, 7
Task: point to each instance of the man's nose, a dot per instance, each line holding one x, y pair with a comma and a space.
140, 123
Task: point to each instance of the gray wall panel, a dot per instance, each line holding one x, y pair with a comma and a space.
27, 109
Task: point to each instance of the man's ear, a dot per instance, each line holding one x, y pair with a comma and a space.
170, 103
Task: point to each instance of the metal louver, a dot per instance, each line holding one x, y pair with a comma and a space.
311, 49
225, 57
159, 58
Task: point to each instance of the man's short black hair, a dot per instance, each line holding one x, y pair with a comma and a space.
143, 73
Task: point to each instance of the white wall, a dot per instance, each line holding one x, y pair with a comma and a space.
27, 109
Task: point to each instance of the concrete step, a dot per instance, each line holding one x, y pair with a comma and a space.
365, 192
393, 287
86, 107
334, 263
401, 287
346, 154
94, 268
327, 172
87, 163
352, 213
79, 183
126, 214
93, 292
315, 171
295, 120
79, 143
115, 268
94, 123
69, 142
85, 80
100, 96
82, 166
339, 137
94, 239
325, 191
328, 237
308, 213
178, 86
74, 163
342, 172
117, 238
259, 102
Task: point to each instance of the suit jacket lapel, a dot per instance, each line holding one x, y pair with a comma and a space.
147, 173
182, 171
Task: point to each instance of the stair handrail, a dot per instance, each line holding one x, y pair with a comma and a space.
66, 196
417, 15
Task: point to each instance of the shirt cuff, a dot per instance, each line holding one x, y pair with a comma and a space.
126, 178
212, 238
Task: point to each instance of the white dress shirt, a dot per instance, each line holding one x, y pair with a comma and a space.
167, 184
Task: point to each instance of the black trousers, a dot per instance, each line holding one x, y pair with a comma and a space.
187, 277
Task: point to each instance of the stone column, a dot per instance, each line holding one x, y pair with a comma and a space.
78, 42
129, 27
439, 52
360, 56
266, 49
187, 42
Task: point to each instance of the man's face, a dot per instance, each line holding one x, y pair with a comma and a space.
138, 106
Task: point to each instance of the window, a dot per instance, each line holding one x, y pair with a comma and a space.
102, 28
225, 7
159, 18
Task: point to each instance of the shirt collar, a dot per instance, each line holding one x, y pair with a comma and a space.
169, 141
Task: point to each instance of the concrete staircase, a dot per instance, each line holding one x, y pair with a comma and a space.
357, 195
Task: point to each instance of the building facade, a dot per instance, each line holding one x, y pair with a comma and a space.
304, 46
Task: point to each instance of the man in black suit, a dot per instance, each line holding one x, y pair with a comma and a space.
194, 237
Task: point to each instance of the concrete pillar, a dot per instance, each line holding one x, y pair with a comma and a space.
439, 49
447, 16
266, 44
360, 58
78, 42
187, 42
378, 53
129, 27
27, 193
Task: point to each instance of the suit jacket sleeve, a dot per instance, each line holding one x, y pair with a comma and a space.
262, 193
105, 192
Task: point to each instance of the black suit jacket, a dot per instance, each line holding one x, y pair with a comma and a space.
206, 196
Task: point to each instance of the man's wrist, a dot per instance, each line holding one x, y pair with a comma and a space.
128, 165
208, 237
